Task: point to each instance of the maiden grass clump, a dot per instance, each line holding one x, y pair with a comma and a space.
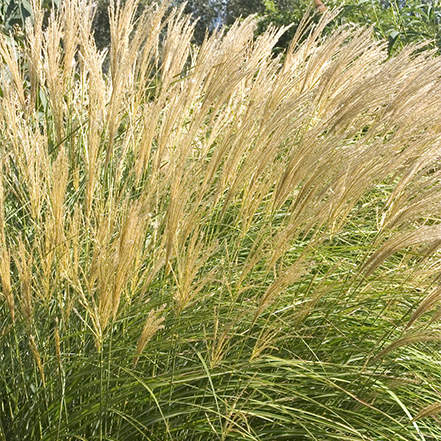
214, 243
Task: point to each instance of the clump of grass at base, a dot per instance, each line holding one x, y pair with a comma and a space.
215, 243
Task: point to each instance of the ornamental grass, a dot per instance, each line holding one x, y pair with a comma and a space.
215, 242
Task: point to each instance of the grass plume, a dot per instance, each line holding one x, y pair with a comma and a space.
216, 242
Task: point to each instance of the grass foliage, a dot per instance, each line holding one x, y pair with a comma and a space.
214, 243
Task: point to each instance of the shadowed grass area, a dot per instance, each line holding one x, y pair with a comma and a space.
211, 243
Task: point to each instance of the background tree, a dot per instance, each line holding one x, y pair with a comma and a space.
243, 8
101, 27
13, 13
101, 24
210, 15
398, 22
281, 13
